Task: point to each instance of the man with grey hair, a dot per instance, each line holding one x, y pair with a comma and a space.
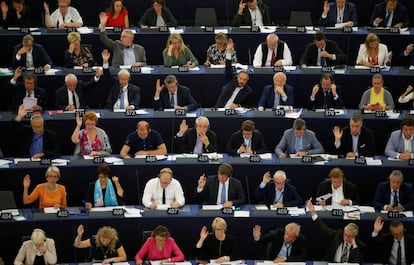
343, 246
122, 94
124, 51
196, 140
33, 141
273, 52
394, 195
71, 96
298, 141
172, 95
277, 94
277, 193
283, 245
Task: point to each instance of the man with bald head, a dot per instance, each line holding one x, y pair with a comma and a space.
71, 96
143, 141
283, 245
277, 193
273, 52
277, 94
197, 140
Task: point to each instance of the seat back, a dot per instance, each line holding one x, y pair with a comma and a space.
7, 200
205, 17
145, 235
300, 18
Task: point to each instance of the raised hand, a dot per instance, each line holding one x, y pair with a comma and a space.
26, 181
266, 177
203, 233
256, 231
337, 133
80, 230
183, 126
202, 181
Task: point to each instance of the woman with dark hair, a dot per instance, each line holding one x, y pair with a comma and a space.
157, 16
105, 245
104, 191
117, 15
160, 246
18, 15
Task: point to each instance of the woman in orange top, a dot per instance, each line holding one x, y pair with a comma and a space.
50, 194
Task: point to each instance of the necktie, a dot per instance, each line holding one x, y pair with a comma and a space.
345, 251
163, 196
395, 201
172, 100
223, 193
273, 60
121, 99
323, 59
399, 253
29, 94
288, 249
297, 145
325, 100
387, 18
276, 101
74, 100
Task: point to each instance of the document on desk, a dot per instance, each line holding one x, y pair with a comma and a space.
111, 159
60, 162
159, 157
85, 30
50, 210
52, 71
234, 262
323, 197
132, 212
268, 262
241, 214
343, 263
366, 209
5, 162
373, 162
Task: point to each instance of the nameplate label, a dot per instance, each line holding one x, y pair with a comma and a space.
71, 29
118, 212
45, 161
150, 159
326, 69
278, 69
29, 114
337, 212
393, 214
282, 211
301, 29
375, 69
394, 30
329, 112
172, 211
25, 30
87, 70
411, 162
117, 29
62, 213
209, 29
6, 216
255, 29
227, 210
183, 68
135, 69
230, 112
180, 112
79, 112
202, 158
380, 114
360, 160
255, 159
280, 112
347, 29
163, 29
306, 159
39, 70
98, 160
130, 112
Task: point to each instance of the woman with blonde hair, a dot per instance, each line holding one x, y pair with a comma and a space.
176, 53
91, 140
372, 52
105, 245
37, 250
216, 53
77, 55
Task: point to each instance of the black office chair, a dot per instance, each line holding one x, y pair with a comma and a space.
205, 17
300, 18
7, 200
145, 235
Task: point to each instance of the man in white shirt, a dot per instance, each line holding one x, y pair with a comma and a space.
273, 52
63, 17
163, 190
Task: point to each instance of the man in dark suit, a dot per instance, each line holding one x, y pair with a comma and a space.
71, 96
30, 55
343, 192
278, 193
394, 195
247, 140
122, 94
171, 95
322, 52
33, 141
326, 94
196, 140
236, 92
283, 245
341, 13
406, 58
220, 189
344, 245
27, 89
277, 94
354, 140
252, 13
390, 14
396, 245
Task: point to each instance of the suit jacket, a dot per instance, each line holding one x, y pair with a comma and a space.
335, 238
309, 143
245, 18
40, 57
186, 143
209, 194
27, 253
149, 18
184, 98
385, 243
383, 194
366, 142
18, 93
328, 100
310, 55
274, 240
12, 20
133, 91
258, 144
395, 144
267, 194
24, 134
350, 14
268, 96
405, 60
350, 191
61, 95
400, 15
241, 98
117, 50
